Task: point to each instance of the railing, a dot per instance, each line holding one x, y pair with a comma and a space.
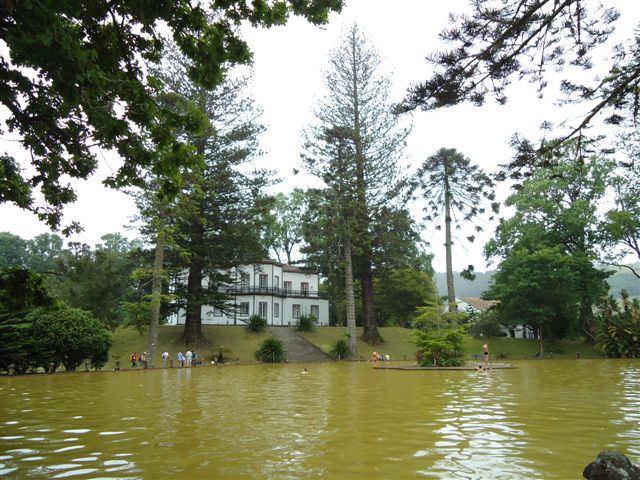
280, 292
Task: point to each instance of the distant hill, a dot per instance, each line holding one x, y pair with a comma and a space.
464, 288
622, 279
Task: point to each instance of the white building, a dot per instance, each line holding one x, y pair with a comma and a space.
278, 293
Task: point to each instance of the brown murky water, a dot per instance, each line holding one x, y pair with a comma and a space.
544, 420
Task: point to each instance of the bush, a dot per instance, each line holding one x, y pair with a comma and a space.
256, 324
441, 348
62, 334
618, 333
306, 323
340, 350
270, 351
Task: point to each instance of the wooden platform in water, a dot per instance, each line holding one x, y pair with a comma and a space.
441, 369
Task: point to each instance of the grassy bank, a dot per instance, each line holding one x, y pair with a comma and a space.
397, 343
239, 344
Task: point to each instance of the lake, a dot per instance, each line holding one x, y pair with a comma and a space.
544, 420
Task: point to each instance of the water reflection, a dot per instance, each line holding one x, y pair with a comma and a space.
338, 421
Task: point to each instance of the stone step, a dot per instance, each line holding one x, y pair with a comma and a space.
297, 349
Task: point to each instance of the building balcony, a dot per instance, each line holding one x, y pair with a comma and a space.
277, 292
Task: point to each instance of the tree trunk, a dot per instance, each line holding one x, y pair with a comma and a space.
369, 323
193, 324
156, 297
540, 346
350, 300
451, 293
587, 319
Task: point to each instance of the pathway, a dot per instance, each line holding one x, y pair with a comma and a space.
298, 350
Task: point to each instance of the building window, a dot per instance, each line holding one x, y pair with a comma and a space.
244, 308
304, 289
287, 287
276, 281
217, 312
276, 310
263, 279
315, 311
244, 280
262, 309
296, 312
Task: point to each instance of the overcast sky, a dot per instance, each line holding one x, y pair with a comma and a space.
288, 81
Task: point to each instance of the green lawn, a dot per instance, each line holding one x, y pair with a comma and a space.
236, 340
399, 346
239, 343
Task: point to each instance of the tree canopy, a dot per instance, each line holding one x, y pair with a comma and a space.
75, 78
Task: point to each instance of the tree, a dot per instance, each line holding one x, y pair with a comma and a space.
505, 40
68, 336
330, 222
221, 207
21, 291
99, 280
399, 292
284, 225
43, 251
540, 289
621, 227
556, 208
75, 78
356, 116
455, 191
13, 251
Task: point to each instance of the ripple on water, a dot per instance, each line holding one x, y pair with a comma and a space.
77, 430
23, 451
75, 473
4, 470
68, 449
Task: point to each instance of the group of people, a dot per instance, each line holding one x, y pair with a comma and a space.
187, 359
135, 357
376, 357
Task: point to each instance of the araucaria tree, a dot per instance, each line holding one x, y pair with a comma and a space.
355, 120
510, 39
456, 191
220, 209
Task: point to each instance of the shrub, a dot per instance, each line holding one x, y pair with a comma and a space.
306, 323
62, 334
271, 351
256, 324
618, 333
340, 350
440, 347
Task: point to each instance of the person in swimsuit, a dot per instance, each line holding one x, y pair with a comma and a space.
485, 354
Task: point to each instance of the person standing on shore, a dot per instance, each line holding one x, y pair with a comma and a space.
165, 359
485, 354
